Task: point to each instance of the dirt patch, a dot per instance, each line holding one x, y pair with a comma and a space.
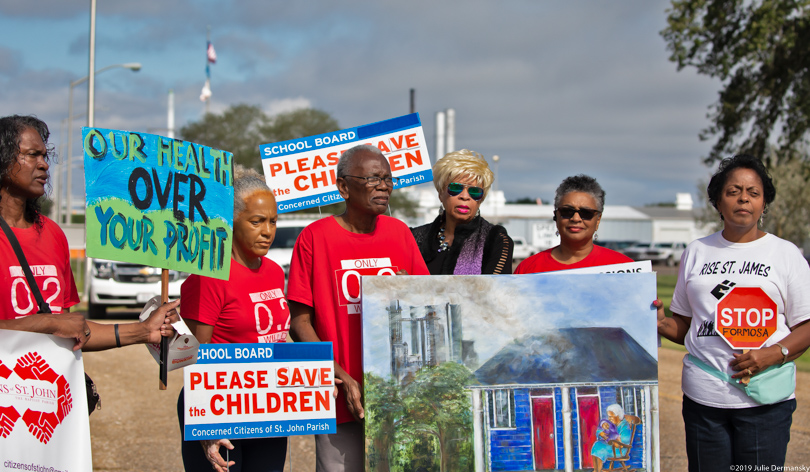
137, 428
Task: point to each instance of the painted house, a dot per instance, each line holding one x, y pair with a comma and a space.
540, 398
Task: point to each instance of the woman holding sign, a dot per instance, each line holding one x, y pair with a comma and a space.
249, 307
726, 425
25, 157
460, 241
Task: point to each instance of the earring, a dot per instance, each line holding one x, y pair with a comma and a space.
441, 209
557, 233
595, 236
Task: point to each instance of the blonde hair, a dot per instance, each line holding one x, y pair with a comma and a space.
462, 164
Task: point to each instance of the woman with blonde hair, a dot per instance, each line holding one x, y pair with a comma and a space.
459, 241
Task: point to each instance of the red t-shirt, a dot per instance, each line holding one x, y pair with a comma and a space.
325, 272
543, 262
249, 307
47, 252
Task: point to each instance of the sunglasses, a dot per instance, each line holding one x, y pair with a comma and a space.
455, 188
585, 213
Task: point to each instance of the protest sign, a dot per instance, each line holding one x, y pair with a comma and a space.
746, 317
43, 405
158, 201
302, 172
238, 391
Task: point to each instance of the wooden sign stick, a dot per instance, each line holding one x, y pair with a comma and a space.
164, 341
747, 378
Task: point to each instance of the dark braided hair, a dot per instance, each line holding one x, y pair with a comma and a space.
11, 130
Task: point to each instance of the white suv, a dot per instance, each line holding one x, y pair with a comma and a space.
115, 283
668, 253
522, 249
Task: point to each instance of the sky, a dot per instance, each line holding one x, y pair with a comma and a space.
496, 310
555, 88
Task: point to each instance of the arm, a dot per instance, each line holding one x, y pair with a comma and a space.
674, 328
302, 330
150, 331
201, 331
68, 325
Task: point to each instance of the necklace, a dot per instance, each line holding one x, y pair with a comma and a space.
442, 243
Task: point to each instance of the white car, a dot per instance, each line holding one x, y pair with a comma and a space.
115, 283
668, 253
522, 249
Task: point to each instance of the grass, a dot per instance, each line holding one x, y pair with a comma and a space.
666, 287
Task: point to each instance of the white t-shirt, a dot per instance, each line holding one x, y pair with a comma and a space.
710, 267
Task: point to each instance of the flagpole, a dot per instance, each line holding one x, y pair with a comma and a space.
207, 67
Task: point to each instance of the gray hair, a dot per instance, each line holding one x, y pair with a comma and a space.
617, 410
346, 158
581, 183
246, 182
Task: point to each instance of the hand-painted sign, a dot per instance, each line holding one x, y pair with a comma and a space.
43, 407
158, 201
241, 391
302, 172
746, 317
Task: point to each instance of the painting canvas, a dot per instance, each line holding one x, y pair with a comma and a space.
510, 372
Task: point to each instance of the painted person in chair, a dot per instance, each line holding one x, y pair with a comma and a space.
602, 449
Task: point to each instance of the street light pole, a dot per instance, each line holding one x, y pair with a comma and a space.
91, 72
133, 66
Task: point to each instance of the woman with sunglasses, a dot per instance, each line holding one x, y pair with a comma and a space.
578, 205
459, 241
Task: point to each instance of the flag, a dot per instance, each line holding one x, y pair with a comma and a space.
212, 55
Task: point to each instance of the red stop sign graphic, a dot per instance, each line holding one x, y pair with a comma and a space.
745, 318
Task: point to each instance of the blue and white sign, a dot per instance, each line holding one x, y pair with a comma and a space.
238, 391
302, 172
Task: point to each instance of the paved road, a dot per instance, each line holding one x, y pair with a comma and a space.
137, 429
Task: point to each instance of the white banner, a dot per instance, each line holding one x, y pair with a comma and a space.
44, 423
261, 390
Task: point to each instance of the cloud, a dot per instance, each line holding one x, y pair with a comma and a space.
554, 88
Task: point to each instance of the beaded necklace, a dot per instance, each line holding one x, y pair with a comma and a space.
443, 246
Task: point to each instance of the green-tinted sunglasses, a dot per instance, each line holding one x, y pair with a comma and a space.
455, 188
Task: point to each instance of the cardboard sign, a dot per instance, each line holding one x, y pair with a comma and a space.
746, 317
183, 346
158, 201
302, 172
43, 405
238, 391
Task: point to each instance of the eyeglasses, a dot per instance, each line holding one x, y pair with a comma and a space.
374, 181
585, 213
455, 188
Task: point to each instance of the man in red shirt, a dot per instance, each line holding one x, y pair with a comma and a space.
323, 290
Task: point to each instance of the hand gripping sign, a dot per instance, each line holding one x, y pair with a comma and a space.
302, 172
239, 391
745, 317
